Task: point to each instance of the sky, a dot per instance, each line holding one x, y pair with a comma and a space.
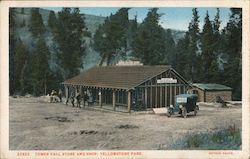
176, 18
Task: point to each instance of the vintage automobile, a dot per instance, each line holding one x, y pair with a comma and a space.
185, 103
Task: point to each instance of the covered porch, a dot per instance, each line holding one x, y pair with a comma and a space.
106, 98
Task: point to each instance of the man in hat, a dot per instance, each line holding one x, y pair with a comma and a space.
78, 99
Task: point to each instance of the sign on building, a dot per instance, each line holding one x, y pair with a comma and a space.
167, 80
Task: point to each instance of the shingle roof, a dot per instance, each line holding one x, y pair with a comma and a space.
212, 86
120, 77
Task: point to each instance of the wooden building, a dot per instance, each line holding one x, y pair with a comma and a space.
132, 87
207, 92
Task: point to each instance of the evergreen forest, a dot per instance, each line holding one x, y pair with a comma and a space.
56, 47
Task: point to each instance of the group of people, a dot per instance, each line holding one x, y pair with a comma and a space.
78, 98
56, 97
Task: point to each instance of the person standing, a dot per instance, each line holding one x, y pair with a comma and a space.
85, 98
72, 97
52, 96
67, 100
78, 99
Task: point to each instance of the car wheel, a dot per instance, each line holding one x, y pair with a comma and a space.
168, 114
184, 112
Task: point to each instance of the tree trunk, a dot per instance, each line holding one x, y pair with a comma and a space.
45, 88
102, 60
22, 78
108, 60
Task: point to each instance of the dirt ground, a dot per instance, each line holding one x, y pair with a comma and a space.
38, 125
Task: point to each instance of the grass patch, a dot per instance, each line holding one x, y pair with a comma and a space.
194, 141
225, 139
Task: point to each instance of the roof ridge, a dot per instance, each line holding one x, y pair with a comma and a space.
211, 86
136, 66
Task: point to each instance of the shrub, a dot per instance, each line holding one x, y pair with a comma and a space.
224, 139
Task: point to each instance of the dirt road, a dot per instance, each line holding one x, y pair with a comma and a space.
37, 125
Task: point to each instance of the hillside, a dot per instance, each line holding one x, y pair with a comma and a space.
22, 31
92, 22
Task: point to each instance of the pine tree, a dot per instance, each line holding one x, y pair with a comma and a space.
217, 36
170, 56
132, 32
111, 37
209, 58
182, 56
22, 10
193, 49
12, 23
23, 24
12, 41
232, 49
22, 78
20, 58
52, 21
40, 68
36, 27
70, 42
116, 33
101, 43
217, 22
149, 45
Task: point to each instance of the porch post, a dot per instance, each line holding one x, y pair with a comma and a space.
146, 97
66, 91
160, 96
129, 101
80, 91
171, 94
100, 98
114, 100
